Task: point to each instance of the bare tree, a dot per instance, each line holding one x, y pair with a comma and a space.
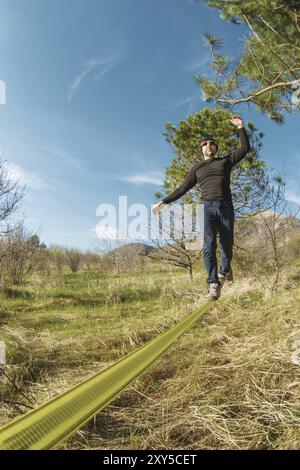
58, 257
17, 250
11, 193
173, 246
73, 259
265, 235
41, 263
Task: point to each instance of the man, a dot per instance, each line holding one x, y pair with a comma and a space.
213, 176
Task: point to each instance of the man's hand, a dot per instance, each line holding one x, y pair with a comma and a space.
237, 121
156, 208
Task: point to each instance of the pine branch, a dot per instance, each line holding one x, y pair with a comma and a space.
268, 48
264, 90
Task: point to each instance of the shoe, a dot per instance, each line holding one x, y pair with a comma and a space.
214, 291
225, 277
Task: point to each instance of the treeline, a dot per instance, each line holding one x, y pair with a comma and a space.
22, 255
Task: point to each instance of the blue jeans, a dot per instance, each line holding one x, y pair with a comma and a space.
218, 217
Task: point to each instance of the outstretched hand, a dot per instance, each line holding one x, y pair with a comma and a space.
236, 120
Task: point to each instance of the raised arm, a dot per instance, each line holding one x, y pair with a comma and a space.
188, 183
238, 154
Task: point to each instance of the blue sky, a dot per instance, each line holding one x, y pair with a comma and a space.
90, 86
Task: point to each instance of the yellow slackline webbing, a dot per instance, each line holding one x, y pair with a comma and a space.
52, 422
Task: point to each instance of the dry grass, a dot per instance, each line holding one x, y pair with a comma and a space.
229, 383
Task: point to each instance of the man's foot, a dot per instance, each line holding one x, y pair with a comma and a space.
225, 277
214, 291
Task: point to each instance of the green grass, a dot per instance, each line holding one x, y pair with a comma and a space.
227, 383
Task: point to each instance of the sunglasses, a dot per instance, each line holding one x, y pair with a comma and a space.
207, 142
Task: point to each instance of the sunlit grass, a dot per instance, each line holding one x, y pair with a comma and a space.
227, 383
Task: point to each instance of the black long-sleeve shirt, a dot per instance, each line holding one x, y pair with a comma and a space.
213, 175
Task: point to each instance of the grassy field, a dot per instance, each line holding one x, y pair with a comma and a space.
229, 383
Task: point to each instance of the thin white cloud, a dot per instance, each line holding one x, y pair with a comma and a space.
293, 196
198, 64
155, 178
183, 101
64, 156
292, 191
75, 85
187, 100
103, 72
191, 101
107, 62
17, 174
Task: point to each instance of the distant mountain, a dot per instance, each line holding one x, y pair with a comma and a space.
260, 226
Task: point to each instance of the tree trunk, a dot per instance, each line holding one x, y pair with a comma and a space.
190, 271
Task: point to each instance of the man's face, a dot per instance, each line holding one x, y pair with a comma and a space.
209, 149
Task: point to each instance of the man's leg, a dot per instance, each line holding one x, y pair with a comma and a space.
226, 233
210, 241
